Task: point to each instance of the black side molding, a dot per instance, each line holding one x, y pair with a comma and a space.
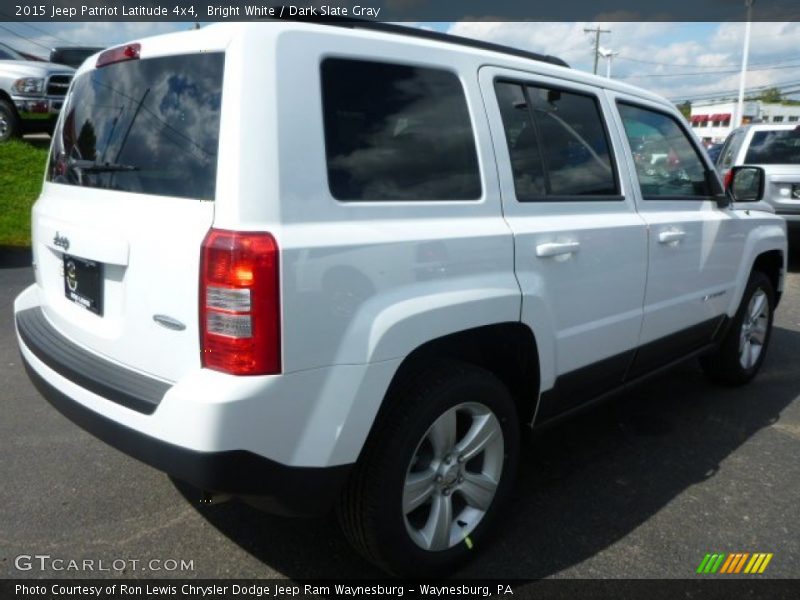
118, 384
584, 387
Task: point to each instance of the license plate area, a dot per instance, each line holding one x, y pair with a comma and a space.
83, 283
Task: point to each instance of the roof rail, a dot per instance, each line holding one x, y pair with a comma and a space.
433, 35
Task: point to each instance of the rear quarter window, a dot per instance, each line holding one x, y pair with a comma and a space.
146, 126
396, 132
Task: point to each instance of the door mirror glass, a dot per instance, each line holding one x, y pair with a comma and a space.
746, 184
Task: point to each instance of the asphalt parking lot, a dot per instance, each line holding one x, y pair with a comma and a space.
643, 486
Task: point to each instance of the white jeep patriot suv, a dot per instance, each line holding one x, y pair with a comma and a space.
319, 265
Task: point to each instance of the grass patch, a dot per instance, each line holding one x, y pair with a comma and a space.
21, 172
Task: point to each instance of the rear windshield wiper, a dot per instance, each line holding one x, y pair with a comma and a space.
90, 166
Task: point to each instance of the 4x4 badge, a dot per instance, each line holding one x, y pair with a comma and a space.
61, 241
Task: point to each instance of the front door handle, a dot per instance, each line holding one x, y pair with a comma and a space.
668, 237
556, 249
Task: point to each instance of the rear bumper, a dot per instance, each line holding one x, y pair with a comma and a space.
209, 433
275, 487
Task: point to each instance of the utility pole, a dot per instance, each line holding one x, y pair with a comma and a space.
745, 52
596, 31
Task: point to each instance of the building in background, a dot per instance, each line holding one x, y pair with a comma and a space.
713, 121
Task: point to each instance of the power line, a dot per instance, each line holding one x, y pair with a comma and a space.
677, 65
727, 72
784, 86
19, 35
40, 30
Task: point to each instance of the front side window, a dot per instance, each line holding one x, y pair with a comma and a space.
147, 126
396, 132
667, 164
774, 148
557, 142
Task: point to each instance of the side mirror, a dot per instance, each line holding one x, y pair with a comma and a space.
745, 184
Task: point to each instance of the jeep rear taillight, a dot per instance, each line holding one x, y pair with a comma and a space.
239, 303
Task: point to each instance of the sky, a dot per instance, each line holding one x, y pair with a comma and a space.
681, 61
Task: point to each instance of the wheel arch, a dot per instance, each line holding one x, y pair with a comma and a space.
771, 263
765, 250
508, 350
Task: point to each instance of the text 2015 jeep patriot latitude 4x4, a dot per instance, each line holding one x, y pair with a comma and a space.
314, 265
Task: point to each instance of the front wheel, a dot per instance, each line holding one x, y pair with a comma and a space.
434, 473
9, 122
742, 351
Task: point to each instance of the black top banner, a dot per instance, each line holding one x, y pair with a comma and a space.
401, 10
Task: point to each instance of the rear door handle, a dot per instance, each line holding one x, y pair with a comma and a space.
667, 237
556, 249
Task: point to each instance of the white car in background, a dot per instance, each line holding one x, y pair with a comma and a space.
775, 148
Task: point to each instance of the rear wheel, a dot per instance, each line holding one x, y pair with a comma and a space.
742, 351
9, 121
434, 473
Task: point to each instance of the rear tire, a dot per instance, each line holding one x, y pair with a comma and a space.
9, 122
434, 473
742, 351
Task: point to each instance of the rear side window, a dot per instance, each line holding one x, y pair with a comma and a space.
774, 148
395, 132
557, 142
146, 126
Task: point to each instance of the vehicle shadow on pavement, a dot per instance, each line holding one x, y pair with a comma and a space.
582, 486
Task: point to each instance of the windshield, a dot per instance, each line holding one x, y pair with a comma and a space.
7, 53
72, 56
144, 126
774, 148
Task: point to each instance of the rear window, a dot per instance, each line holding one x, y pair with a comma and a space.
143, 126
774, 148
395, 132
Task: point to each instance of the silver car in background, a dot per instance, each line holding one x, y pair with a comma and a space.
776, 148
31, 93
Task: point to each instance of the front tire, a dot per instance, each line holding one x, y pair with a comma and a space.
742, 351
434, 473
9, 122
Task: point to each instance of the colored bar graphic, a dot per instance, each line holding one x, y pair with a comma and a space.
718, 563
711, 562
765, 563
736, 562
741, 562
754, 562
727, 564
703, 563
736, 557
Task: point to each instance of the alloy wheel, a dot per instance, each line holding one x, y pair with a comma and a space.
453, 476
753, 334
